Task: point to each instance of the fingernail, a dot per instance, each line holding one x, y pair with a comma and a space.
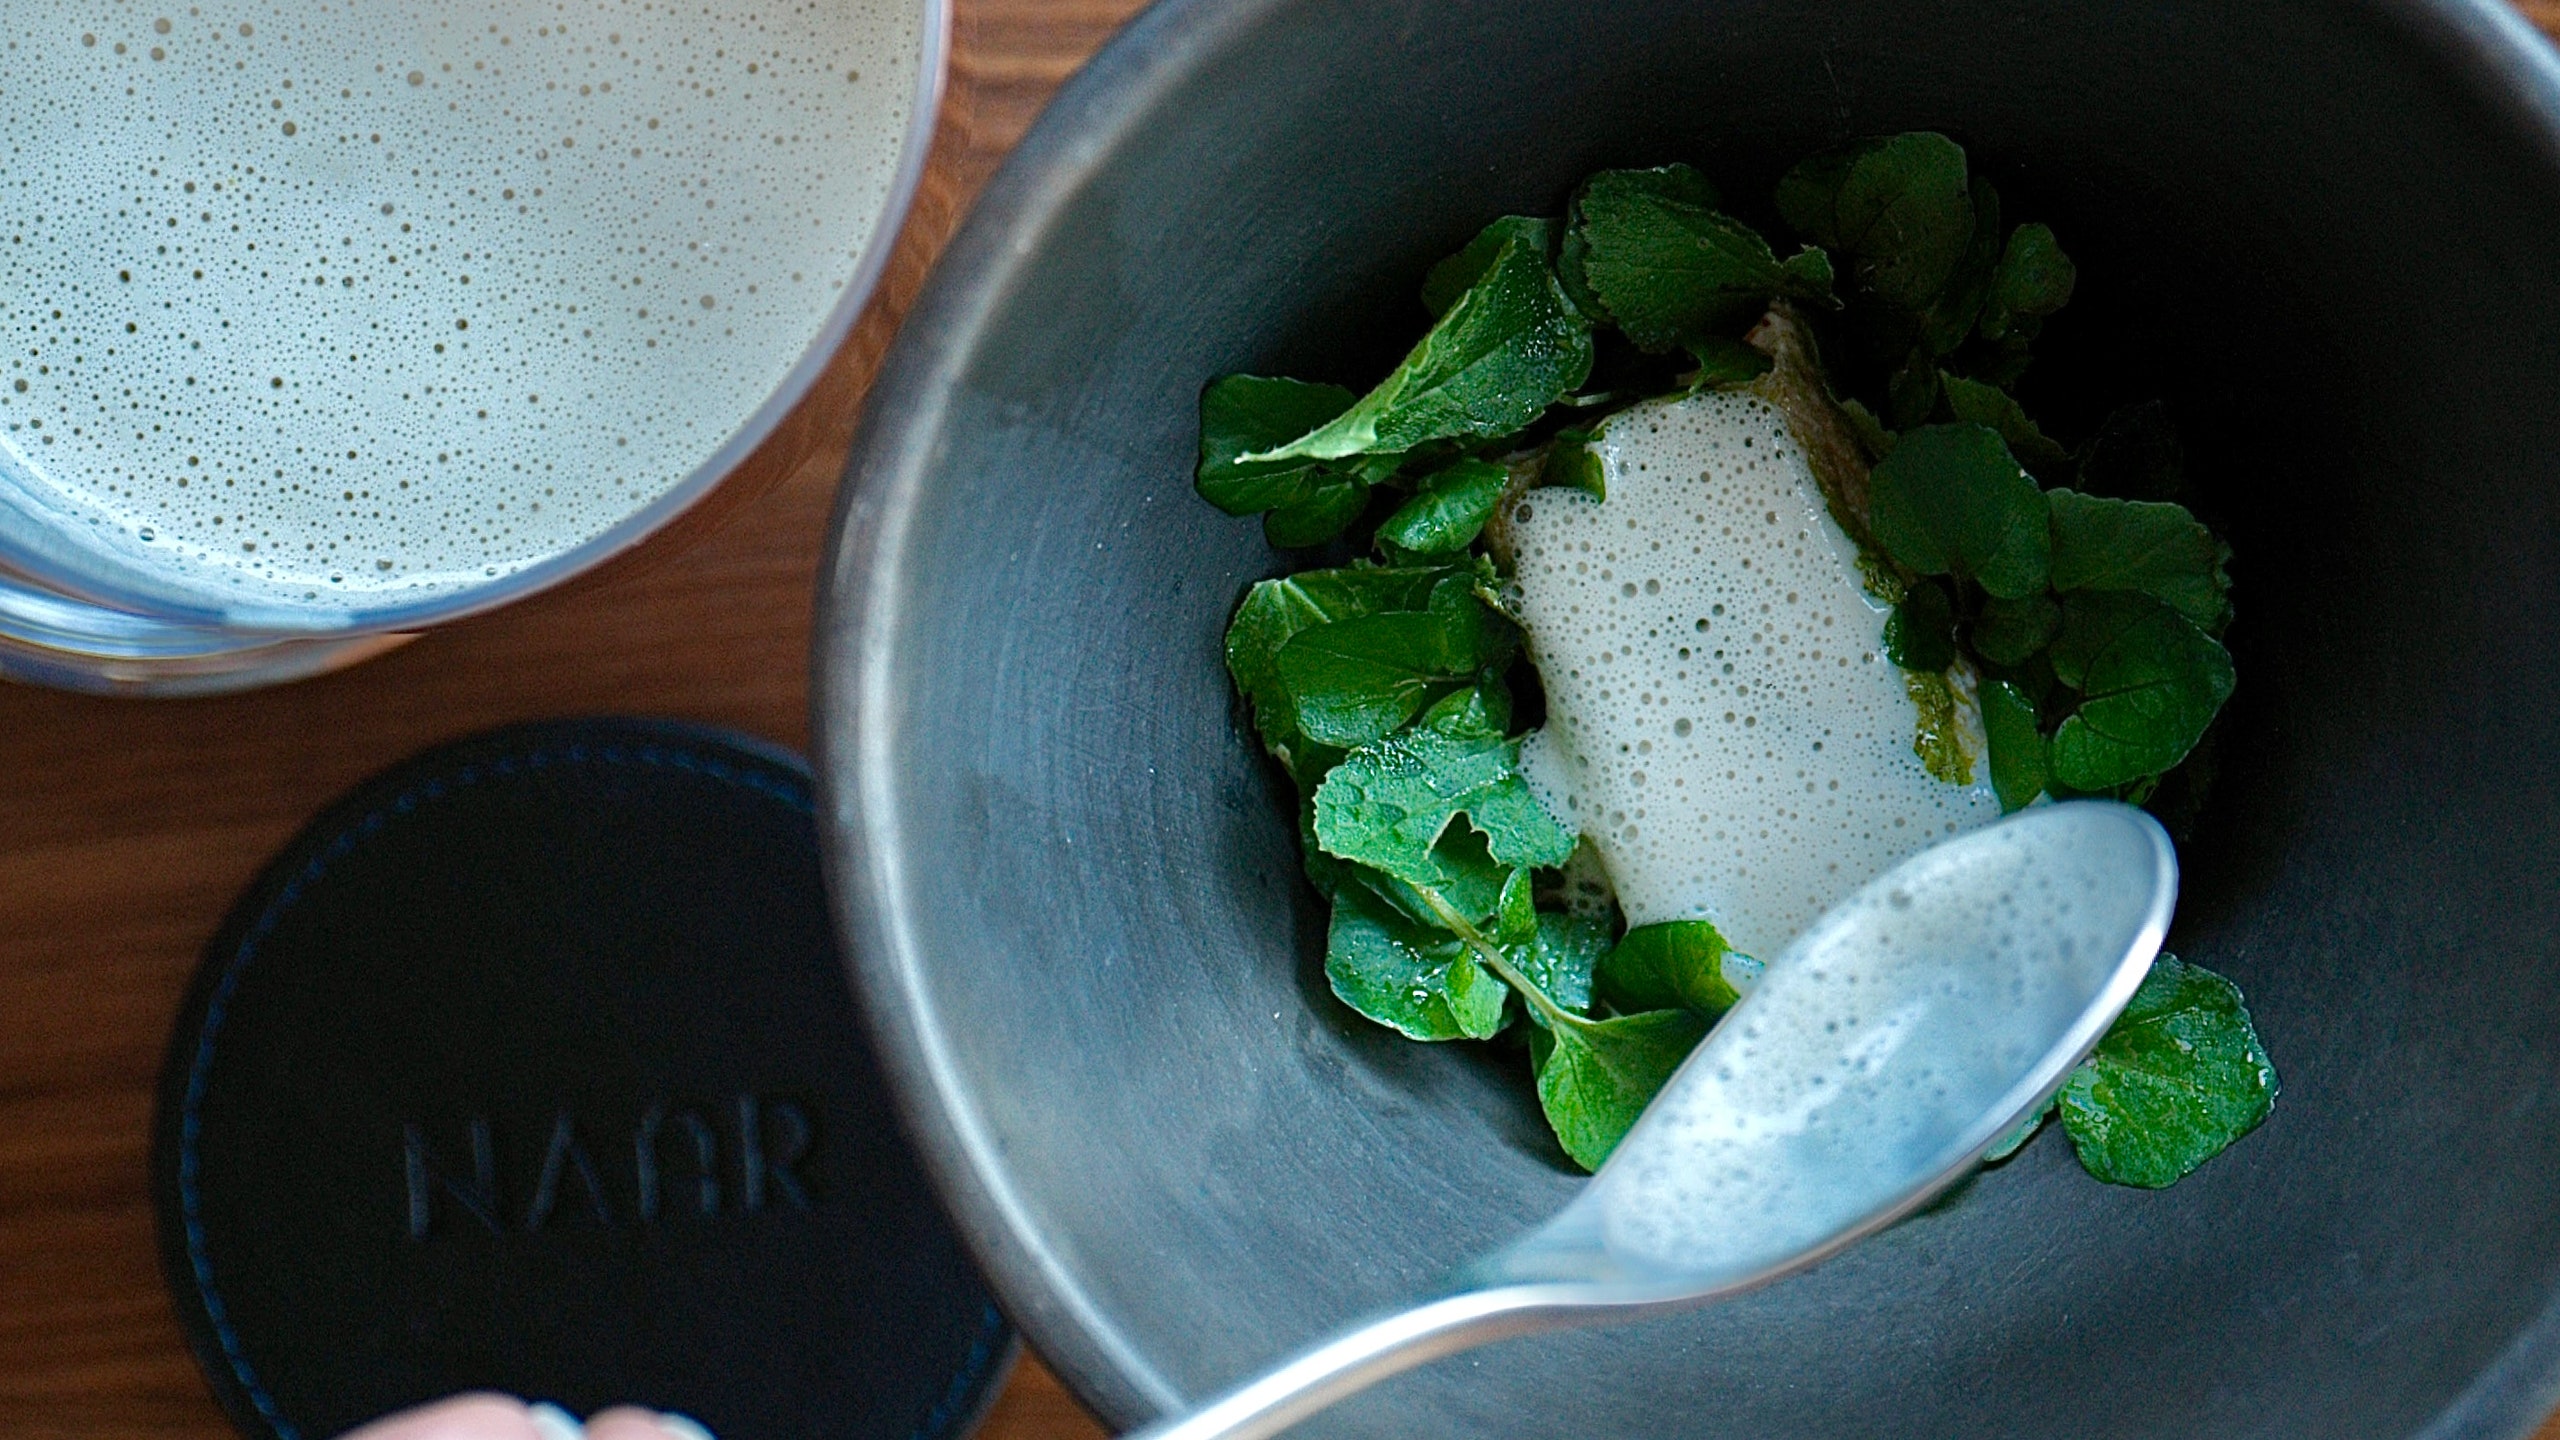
554, 1422
682, 1427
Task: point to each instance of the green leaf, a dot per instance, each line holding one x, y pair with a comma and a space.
1571, 461
2179, 1076
1901, 207
1951, 317
1951, 499
1675, 965
2033, 280
2006, 632
1244, 413
1921, 632
1453, 277
1723, 361
2150, 683
1990, 405
1672, 270
1562, 952
1504, 351
1387, 803
1465, 877
1912, 392
1596, 1076
2135, 455
1275, 611
2150, 547
1351, 681
2017, 746
1421, 982
1448, 509
1326, 511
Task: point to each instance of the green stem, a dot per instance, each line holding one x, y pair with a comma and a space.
1494, 960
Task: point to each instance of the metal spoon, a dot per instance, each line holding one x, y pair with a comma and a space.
1894, 1042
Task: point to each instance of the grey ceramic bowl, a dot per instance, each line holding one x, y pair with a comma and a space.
2327, 230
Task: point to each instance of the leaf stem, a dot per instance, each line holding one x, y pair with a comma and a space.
1494, 960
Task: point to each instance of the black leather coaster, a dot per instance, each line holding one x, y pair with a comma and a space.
530, 1066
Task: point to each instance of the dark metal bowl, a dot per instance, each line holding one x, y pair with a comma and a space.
2328, 231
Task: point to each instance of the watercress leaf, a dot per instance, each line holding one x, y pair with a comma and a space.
2017, 746
1387, 803
1596, 1076
1505, 350
1325, 511
1454, 276
1671, 269
1421, 982
1921, 632
1724, 361
1240, 414
1571, 461
1448, 508
1913, 390
1465, 878
1515, 914
1675, 964
1990, 405
1903, 210
1951, 499
1559, 955
1938, 730
2150, 683
1483, 708
2179, 1076
2033, 280
2149, 546
1871, 431
2006, 632
2135, 455
1274, 611
1808, 196
1350, 681
1951, 317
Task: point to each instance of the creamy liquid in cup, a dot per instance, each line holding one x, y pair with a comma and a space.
316, 310
1722, 722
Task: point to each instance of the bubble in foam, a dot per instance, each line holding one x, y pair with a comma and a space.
318, 309
1722, 721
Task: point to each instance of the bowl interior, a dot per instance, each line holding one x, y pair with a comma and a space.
2328, 233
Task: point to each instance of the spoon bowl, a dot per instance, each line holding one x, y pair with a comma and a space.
1884, 1052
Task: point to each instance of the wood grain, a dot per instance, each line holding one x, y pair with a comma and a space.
127, 828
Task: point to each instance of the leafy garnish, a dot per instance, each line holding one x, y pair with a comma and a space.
2033, 280
1952, 500
1448, 509
1508, 347
1921, 632
1675, 965
2007, 632
2150, 683
1596, 1076
1990, 405
1275, 611
1673, 271
1352, 681
1454, 277
1420, 980
2149, 547
1387, 803
1901, 208
1241, 414
2017, 746
2179, 1076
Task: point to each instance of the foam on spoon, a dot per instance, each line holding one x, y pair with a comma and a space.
1721, 720
1885, 1042
315, 308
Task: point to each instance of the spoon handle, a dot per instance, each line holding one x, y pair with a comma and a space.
1354, 1361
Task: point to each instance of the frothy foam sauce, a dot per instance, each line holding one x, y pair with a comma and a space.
313, 309
1722, 722
1880, 1047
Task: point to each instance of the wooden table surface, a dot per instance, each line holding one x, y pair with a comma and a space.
127, 828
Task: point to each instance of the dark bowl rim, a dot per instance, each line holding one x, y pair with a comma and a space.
2509, 65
